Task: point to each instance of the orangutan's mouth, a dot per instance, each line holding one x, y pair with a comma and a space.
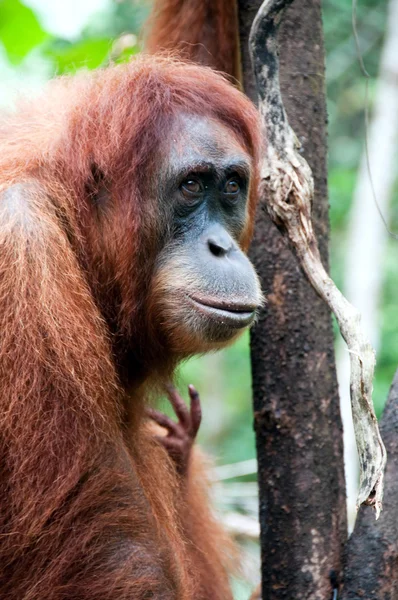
232, 314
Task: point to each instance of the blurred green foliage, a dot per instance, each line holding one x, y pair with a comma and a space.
20, 30
68, 57
112, 36
22, 33
346, 101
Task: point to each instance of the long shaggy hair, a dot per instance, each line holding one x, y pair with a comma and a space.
89, 509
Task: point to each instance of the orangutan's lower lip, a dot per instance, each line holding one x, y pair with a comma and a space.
232, 314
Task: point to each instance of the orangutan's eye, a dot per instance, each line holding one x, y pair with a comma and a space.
232, 187
191, 187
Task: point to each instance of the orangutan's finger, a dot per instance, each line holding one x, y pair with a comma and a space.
179, 406
163, 420
196, 409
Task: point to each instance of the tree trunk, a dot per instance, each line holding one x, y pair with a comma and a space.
371, 570
297, 419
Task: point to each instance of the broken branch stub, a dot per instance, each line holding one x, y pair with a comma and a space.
287, 190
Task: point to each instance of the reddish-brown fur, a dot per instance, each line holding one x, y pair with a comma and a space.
90, 505
205, 31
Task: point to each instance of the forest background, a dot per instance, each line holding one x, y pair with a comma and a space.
43, 38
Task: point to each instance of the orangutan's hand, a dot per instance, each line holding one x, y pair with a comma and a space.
180, 435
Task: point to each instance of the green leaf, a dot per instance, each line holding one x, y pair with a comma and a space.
20, 30
126, 55
69, 57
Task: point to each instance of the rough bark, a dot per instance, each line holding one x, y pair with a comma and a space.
371, 565
297, 420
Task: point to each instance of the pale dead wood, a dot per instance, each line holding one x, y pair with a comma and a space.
287, 190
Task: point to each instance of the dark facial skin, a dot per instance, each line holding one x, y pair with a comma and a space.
206, 288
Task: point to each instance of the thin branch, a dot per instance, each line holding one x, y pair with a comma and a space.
287, 190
